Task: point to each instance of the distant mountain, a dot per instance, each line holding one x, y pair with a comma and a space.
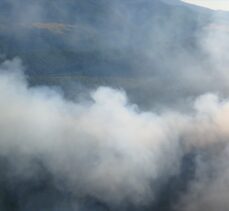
87, 37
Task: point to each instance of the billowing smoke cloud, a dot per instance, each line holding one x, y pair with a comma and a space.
107, 148
104, 152
209, 187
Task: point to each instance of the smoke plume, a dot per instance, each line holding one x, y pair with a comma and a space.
154, 137
107, 148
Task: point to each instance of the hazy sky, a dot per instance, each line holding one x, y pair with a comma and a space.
212, 4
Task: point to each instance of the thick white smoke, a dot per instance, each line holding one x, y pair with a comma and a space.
209, 188
106, 147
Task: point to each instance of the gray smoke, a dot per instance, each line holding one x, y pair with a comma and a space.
107, 148
107, 151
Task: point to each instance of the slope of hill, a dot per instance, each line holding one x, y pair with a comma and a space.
97, 37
